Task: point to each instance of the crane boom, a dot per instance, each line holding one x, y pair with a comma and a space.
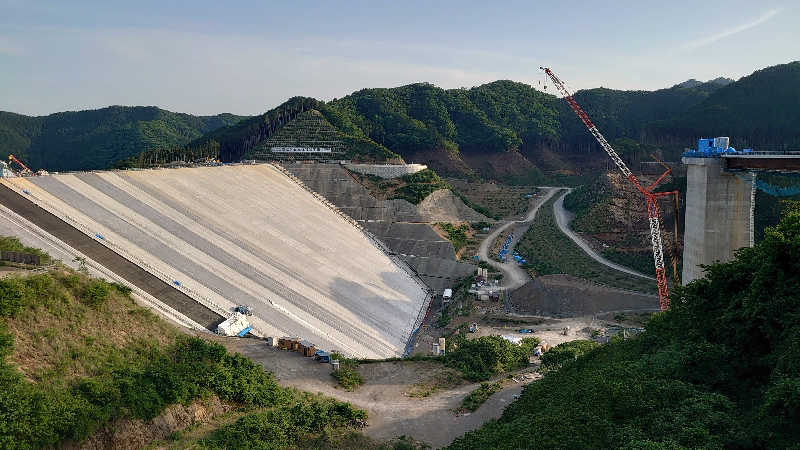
25, 168
653, 214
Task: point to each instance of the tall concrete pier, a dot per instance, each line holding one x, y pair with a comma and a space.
717, 214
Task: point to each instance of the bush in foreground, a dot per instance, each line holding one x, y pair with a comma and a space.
85, 388
484, 357
347, 376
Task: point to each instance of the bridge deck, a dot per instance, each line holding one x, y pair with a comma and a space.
763, 161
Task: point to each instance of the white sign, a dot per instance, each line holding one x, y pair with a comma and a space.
302, 150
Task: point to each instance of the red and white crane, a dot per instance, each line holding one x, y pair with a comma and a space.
25, 169
651, 197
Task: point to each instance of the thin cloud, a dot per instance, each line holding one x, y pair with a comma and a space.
7, 47
727, 33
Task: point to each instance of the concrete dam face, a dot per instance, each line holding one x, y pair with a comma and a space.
245, 234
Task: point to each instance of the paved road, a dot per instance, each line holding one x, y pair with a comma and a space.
563, 217
513, 275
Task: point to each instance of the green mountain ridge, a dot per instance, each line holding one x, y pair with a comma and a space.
455, 131
94, 139
462, 131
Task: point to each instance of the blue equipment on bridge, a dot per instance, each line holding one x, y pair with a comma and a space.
713, 147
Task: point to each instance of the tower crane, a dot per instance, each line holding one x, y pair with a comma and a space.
653, 215
25, 169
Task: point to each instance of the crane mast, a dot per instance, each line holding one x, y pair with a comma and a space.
653, 214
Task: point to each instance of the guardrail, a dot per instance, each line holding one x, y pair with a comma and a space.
739, 154
763, 153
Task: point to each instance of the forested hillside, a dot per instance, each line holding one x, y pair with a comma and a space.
95, 139
720, 369
503, 130
759, 111
234, 142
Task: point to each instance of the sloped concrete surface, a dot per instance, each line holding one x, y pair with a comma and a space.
246, 234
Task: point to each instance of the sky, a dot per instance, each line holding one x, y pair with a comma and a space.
208, 57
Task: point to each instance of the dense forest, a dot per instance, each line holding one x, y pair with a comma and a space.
95, 139
720, 369
500, 129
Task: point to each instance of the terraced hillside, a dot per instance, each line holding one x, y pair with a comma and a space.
310, 130
245, 234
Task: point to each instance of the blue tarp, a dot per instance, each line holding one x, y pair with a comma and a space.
778, 191
245, 331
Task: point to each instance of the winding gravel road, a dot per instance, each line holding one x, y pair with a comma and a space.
563, 217
513, 275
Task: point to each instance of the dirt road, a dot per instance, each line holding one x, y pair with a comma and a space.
513, 275
391, 412
563, 217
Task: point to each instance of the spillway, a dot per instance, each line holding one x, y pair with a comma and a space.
246, 234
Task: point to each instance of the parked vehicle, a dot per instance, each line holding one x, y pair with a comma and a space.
244, 309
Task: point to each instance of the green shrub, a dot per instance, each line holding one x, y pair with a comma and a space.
45, 415
96, 293
280, 427
476, 398
565, 352
347, 376
456, 234
6, 342
484, 357
420, 185
121, 288
12, 297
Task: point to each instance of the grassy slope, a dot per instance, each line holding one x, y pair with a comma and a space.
76, 353
549, 251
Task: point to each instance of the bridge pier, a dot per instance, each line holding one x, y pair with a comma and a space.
717, 214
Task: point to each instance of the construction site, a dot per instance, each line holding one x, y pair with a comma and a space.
303, 252
246, 234
244, 249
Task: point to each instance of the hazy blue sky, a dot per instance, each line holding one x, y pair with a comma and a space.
206, 57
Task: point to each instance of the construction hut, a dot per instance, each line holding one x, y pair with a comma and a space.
307, 348
288, 343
